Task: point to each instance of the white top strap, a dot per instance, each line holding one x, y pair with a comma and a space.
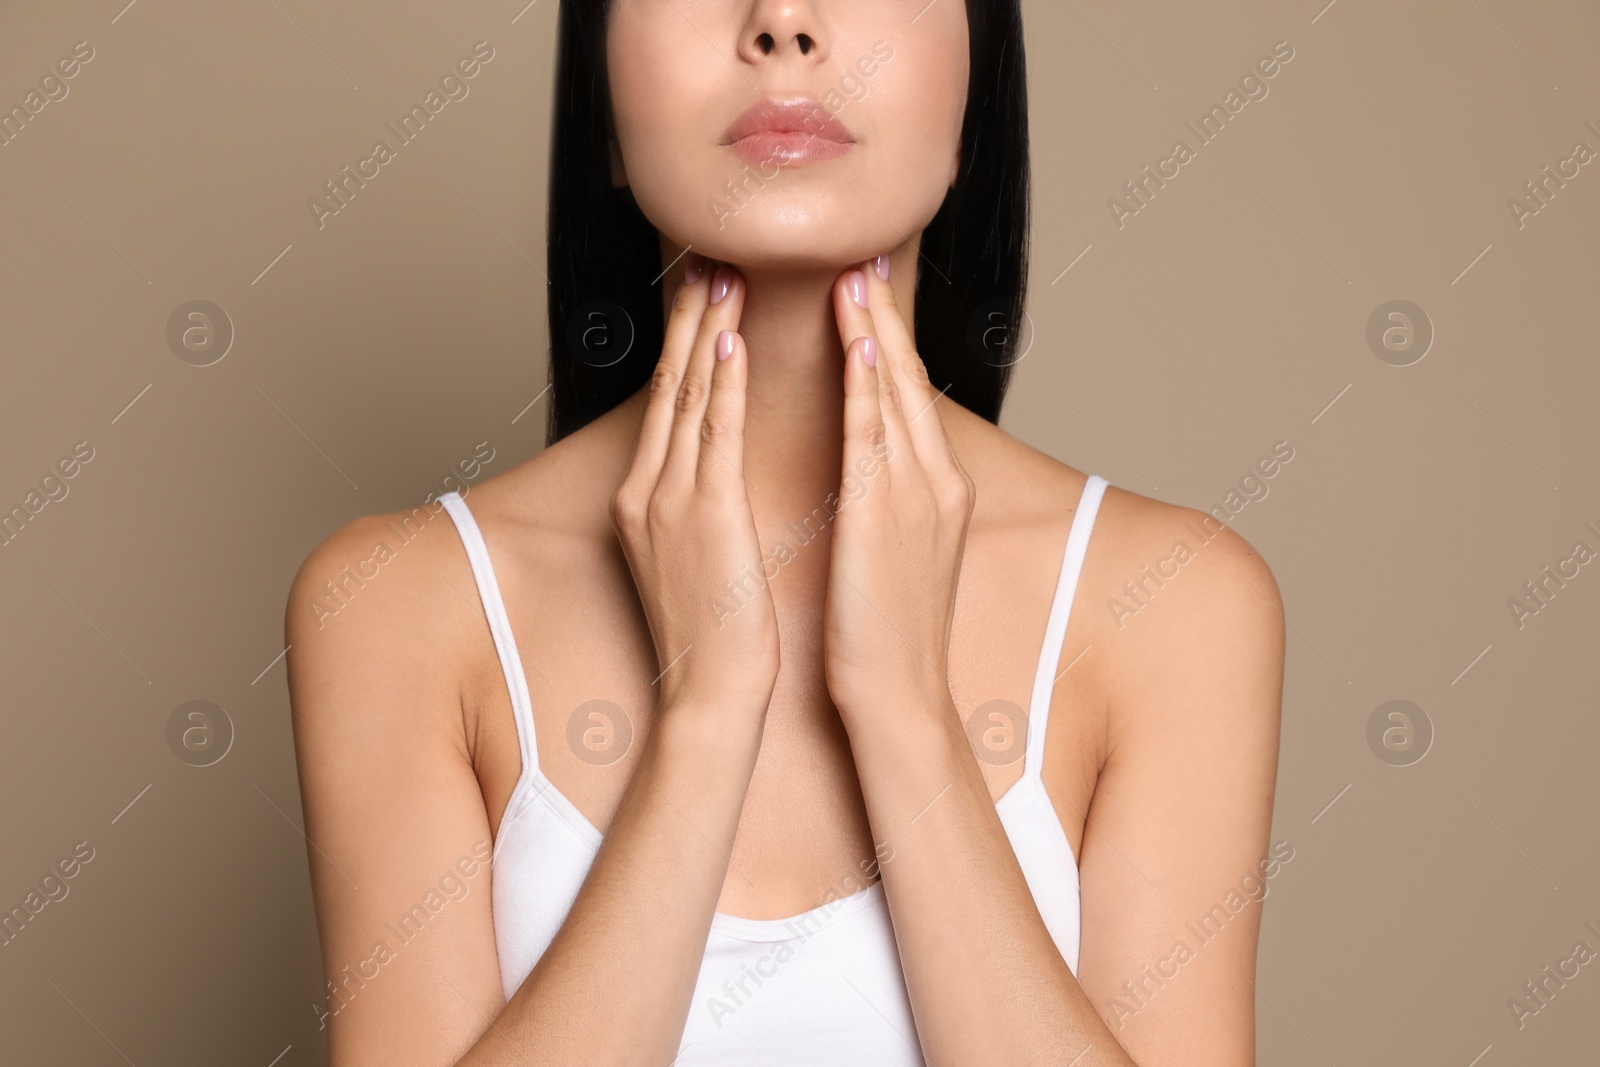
499, 624
1056, 630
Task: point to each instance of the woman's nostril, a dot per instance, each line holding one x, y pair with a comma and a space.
805, 43
765, 43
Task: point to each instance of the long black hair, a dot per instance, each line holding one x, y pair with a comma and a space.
604, 256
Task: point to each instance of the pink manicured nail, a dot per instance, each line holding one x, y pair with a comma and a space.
724, 345
694, 265
883, 267
869, 351
721, 284
858, 287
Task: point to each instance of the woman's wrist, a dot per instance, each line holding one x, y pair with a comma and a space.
715, 731
908, 749
918, 705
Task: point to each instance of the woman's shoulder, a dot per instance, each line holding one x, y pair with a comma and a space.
375, 581
1167, 595
384, 575
561, 493
1136, 538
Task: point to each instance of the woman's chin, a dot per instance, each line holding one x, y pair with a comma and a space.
801, 246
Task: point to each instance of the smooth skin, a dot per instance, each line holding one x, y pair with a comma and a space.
779, 748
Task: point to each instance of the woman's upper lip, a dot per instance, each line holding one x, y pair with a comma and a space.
792, 115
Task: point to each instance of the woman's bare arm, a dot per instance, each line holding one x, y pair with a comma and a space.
394, 818
391, 799
1176, 862
1175, 843
1186, 792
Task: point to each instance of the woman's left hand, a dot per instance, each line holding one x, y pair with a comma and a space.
905, 502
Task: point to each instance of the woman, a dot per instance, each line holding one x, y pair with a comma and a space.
757, 727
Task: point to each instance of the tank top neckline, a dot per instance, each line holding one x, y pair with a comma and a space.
532, 784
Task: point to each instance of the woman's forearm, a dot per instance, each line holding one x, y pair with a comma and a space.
615, 984
617, 981
986, 981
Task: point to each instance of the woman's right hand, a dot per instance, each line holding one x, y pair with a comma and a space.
683, 516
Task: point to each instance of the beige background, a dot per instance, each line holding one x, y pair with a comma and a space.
1229, 314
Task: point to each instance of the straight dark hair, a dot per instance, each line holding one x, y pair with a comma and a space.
604, 256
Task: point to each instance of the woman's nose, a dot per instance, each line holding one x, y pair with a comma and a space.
784, 30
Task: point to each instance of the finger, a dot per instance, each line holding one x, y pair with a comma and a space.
854, 320
866, 439
683, 325
722, 431
725, 303
899, 352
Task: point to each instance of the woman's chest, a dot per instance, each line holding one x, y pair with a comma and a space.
803, 834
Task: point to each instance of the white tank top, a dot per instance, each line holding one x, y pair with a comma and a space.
821, 987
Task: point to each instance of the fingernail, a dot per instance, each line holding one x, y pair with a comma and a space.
883, 267
721, 283
694, 265
724, 345
858, 287
869, 351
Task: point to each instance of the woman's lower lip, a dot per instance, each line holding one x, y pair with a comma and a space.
787, 149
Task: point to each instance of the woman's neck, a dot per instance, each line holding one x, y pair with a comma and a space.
794, 413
